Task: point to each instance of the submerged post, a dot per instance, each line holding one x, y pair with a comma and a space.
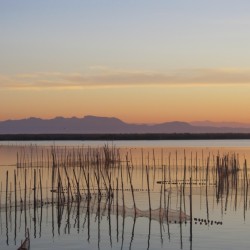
7, 184
149, 200
191, 211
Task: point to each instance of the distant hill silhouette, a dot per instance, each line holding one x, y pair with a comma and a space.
104, 125
220, 124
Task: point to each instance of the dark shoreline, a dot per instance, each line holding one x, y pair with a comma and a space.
117, 137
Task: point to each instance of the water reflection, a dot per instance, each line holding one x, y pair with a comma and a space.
119, 196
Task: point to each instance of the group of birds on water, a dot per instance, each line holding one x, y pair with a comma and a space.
206, 222
198, 221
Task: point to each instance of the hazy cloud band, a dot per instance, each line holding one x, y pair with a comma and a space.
117, 78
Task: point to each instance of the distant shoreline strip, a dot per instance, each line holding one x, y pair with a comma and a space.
125, 137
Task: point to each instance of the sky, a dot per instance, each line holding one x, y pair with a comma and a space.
143, 61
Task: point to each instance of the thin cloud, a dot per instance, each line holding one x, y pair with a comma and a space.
120, 78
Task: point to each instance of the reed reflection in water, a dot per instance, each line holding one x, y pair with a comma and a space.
104, 193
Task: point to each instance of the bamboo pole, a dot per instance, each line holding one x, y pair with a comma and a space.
41, 189
191, 211
15, 189
7, 185
117, 218
132, 189
149, 200
34, 189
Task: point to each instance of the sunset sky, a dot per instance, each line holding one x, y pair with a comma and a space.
138, 60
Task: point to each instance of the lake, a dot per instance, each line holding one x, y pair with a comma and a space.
125, 194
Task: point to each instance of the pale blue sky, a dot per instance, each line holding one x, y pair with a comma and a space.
72, 35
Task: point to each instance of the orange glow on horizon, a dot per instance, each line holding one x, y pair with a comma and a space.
132, 104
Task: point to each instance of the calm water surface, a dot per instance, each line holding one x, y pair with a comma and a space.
219, 208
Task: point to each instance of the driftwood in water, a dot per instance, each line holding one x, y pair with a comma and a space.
26, 244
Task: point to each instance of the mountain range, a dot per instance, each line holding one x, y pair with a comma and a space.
109, 125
